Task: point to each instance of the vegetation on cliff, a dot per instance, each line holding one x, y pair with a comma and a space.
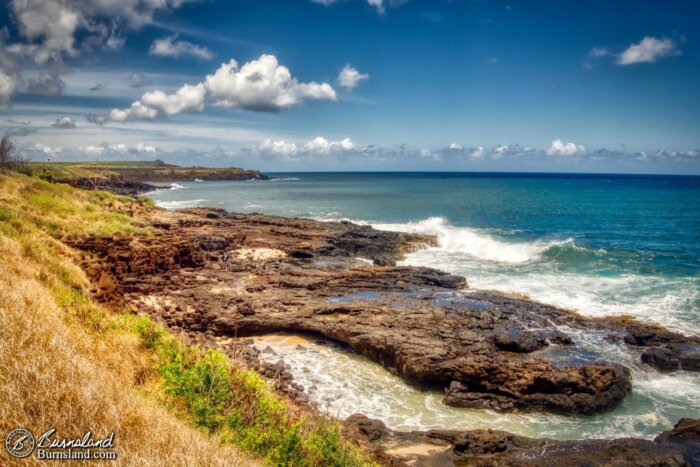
70, 364
135, 171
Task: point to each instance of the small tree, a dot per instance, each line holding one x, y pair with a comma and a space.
9, 158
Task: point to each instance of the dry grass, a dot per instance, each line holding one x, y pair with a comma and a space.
65, 362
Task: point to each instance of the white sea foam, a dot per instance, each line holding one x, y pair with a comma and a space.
175, 186
342, 383
476, 243
171, 205
542, 269
667, 301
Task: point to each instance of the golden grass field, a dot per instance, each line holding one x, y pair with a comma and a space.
65, 365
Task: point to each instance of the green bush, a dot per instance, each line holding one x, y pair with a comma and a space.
240, 405
46, 175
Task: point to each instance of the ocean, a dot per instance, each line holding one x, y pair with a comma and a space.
598, 244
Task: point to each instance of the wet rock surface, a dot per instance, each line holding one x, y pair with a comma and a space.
679, 446
211, 273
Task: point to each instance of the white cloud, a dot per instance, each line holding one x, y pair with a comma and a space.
477, 153
349, 77
49, 84
92, 150
456, 147
170, 47
648, 50
157, 103
137, 80
321, 145
142, 147
185, 99
560, 148
262, 85
316, 146
97, 119
136, 111
51, 29
281, 147
64, 122
9, 85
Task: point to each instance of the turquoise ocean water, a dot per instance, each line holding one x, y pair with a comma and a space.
599, 244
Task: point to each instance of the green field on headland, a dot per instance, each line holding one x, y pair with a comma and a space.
136, 171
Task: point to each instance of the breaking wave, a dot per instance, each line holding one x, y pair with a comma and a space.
171, 205
484, 246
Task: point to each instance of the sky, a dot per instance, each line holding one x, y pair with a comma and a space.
444, 85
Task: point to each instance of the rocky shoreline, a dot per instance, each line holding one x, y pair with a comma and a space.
218, 277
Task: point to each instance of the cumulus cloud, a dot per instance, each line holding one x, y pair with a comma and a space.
97, 119
281, 147
316, 146
9, 85
262, 85
49, 84
321, 145
104, 151
477, 153
170, 47
136, 80
51, 30
456, 152
349, 77
64, 122
560, 148
156, 103
187, 98
648, 50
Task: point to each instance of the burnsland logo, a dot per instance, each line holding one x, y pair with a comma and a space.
20, 443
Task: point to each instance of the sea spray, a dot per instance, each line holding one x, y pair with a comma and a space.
474, 242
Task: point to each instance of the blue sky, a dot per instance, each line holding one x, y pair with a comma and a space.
356, 84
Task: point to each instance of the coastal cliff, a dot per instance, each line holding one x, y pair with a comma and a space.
131, 178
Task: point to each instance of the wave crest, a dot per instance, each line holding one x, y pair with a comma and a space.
482, 245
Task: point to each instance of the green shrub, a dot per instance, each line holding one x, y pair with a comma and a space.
149, 333
240, 405
45, 175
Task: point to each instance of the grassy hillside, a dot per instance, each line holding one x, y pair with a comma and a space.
141, 171
68, 363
